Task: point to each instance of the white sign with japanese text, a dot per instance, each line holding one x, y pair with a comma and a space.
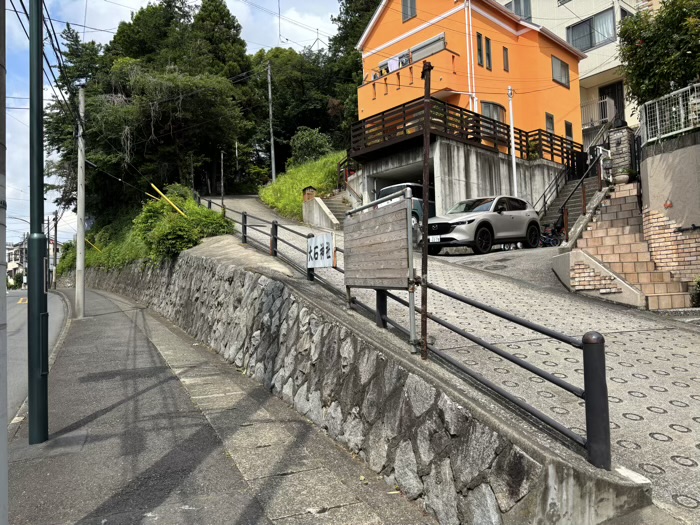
320, 251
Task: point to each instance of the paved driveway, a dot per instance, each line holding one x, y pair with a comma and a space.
653, 362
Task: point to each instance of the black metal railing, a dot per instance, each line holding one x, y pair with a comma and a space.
551, 191
454, 122
580, 186
594, 393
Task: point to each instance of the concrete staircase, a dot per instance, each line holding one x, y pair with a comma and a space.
615, 239
575, 203
338, 205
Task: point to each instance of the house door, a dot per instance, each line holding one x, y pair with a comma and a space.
616, 92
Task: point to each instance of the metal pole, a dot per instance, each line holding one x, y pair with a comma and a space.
80, 241
222, 179
512, 141
310, 275
55, 247
273, 239
381, 310
425, 75
596, 395
38, 321
244, 227
272, 134
3, 269
411, 275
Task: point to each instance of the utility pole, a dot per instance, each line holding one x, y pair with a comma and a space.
3, 269
55, 246
38, 321
427, 105
191, 171
272, 135
48, 254
512, 141
222, 179
80, 241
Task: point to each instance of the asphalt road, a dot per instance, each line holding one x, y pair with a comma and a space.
17, 343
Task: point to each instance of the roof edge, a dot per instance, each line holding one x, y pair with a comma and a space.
370, 26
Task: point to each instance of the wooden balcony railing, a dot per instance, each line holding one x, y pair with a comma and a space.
406, 121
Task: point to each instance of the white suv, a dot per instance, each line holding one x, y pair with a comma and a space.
482, 222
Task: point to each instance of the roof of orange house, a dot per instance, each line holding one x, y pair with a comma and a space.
491, 3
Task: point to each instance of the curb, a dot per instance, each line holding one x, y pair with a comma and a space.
20, 417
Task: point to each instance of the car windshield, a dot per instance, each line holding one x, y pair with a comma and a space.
471, 205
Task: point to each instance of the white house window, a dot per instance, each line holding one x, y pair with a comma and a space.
493, 111
593, 32
409, 9
521, 8
560, 71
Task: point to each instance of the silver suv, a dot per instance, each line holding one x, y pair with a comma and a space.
482, 222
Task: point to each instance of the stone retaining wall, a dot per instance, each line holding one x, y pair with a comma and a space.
424, 437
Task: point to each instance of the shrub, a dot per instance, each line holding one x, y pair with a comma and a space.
695, 292
308, 145
285, 194
67, 262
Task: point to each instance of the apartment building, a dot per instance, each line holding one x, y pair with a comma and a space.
591, 26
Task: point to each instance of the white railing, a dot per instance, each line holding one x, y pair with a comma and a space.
597, 112
671, 114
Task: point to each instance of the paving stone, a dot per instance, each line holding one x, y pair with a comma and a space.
355, 514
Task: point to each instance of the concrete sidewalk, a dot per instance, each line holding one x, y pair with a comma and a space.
148, 426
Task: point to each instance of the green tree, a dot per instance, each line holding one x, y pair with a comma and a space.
217, 34
307, 145
660, 52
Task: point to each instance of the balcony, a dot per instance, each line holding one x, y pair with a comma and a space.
404, 84
595, 113
402, 127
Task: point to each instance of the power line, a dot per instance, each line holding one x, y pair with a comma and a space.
283, 17
92, 29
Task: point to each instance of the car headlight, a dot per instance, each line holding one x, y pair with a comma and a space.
459, 223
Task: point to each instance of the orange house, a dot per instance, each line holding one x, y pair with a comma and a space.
478, 49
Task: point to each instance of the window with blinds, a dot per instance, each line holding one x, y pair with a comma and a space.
432, 46
409, 9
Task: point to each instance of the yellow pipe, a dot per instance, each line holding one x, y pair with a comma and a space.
152, 196
168, 200
93, 246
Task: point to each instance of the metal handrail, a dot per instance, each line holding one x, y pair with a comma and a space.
597, 442
578, 184
554, 183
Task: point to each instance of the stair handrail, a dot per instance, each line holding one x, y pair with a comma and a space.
564, 209
343, 170
554, 183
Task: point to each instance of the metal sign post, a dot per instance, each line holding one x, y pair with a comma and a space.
379, 252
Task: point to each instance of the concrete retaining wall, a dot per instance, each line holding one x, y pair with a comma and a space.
460, 171
316, 213
444, 443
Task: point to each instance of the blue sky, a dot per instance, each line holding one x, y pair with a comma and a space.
261, 28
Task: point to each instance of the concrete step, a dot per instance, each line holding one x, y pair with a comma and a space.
668, 301
632, 267
653, 277
663, 288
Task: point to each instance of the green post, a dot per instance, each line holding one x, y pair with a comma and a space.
38, 326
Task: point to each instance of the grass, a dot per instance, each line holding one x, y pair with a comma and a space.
285, 195
155, 232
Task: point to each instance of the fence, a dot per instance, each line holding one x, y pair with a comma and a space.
595, 392
671, 114
597, 112
450, 121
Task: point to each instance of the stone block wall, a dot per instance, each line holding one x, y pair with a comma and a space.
408, 427
677, 252
585, 278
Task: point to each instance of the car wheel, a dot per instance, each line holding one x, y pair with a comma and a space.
434, 250
483, 240
532, 237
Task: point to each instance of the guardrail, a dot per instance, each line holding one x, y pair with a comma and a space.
594, 393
